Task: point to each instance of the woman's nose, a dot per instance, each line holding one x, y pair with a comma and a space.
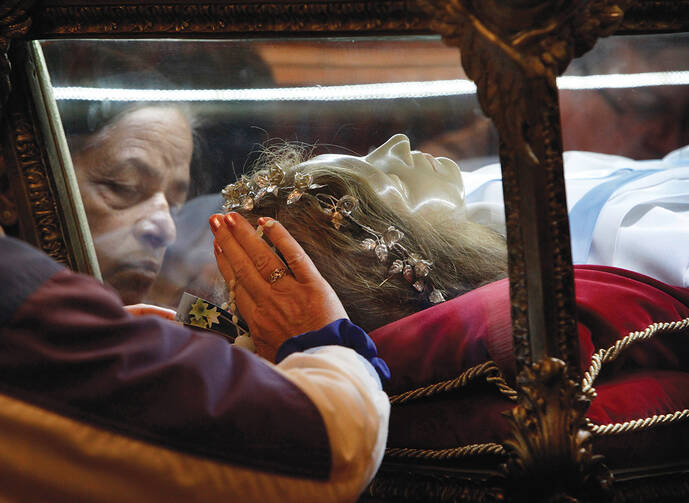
156, 228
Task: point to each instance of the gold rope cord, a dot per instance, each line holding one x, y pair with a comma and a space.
637, 424
488, 370
445, 454
607, 355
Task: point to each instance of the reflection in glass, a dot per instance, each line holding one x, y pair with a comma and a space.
157, 128
133, 173
636, 103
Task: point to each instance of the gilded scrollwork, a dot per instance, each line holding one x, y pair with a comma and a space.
37, 188
8, 208
638, 490
514, 51
645, 16
216, 18
550, 444
14, 22
417, 485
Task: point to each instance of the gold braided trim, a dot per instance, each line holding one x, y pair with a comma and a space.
637, 424
445, 454
488, 370
607, 355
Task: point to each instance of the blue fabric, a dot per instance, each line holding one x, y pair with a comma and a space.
340, 332
369, 368
584, 215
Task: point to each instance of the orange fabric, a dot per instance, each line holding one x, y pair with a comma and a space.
48, 457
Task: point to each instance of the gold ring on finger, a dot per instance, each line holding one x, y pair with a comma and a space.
276, 274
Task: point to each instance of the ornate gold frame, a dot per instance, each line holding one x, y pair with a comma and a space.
513, 50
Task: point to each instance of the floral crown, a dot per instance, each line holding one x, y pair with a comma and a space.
249, 192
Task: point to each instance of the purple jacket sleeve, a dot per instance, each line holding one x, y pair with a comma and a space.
68, 346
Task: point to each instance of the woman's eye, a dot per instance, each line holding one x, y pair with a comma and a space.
122, 193
122, 189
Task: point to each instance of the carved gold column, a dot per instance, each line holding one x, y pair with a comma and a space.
514, 50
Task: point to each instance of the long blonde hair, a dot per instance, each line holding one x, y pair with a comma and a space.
464, 255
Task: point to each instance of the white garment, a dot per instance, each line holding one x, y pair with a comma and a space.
337, 379
642, 225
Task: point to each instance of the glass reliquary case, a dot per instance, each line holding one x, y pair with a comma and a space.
559, 130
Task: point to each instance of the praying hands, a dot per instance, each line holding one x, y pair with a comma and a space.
277, 300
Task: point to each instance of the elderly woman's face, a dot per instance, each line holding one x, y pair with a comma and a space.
132, 176
409, 180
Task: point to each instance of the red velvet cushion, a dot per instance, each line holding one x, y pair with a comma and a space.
442, 341
450, 420
642, 394
612, 302
647, 391
439, 343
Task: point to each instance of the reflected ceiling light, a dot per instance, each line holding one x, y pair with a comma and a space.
382, 91
623, 80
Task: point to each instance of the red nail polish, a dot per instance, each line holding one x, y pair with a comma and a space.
266, 221
229, 220
215, 223
218, 250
